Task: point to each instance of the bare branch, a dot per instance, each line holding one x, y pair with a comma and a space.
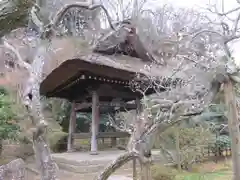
236, 24
117, 127
64, 9
36, 19
21, 62
120, 161
207, 31
224, 13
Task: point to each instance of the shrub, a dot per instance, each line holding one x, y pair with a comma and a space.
58, 141
9, 129
161, 172
8, 126
223, 142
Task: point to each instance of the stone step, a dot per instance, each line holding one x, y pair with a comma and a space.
80, 169
76, 162
119, 177
92, 164
90, 168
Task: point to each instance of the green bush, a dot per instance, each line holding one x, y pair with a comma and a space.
161, 172
58, 141
9, 129
223, 141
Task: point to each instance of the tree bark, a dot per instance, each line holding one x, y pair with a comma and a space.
178, 150
112, 167
145, 168
14, 170
233, 125
45, 163
134, 169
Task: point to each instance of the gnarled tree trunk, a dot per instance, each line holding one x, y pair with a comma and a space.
112, 167
32, 101
14, 170
233, 125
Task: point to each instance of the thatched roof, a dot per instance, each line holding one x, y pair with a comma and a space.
118, 54
68, 56
125, 41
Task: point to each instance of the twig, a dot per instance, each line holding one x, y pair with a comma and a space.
21, 62
36, 20
113, 124
236, 24
64, 9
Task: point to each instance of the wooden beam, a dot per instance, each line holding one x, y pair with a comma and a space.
101, 135
95, 117
85, 105
71, 68
111, 92
108, 80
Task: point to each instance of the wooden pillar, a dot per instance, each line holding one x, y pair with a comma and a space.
138, 104
95, 117
71, 128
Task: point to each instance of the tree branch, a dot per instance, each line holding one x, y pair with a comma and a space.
113, 166
21, 62
236, 24
36, 19
114, 124
64, 9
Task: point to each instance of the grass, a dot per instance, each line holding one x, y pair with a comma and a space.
209, 171
206, 176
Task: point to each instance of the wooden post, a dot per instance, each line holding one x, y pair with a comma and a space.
139, 106
233, 125
71, 128
95, 117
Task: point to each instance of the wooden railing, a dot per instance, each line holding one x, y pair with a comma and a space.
101, 135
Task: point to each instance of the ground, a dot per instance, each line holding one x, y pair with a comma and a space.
206, 171
209, 170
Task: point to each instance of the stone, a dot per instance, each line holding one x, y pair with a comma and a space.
14, 170
119, 177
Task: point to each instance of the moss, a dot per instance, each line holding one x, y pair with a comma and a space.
5, 160
57, 141
161, 172
14, 14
